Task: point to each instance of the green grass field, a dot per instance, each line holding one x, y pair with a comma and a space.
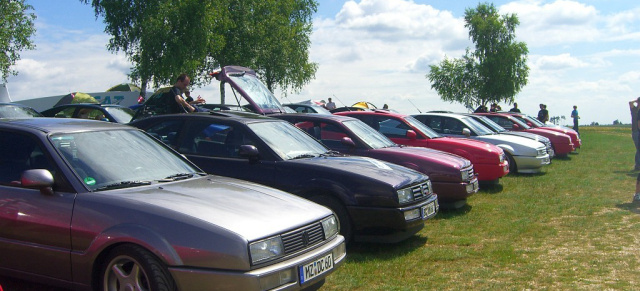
572, 227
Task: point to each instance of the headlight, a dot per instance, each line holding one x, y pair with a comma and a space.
405, 195
266, 249
465, 175
330, 227
501, 158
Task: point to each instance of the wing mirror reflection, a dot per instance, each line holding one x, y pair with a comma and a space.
38, 179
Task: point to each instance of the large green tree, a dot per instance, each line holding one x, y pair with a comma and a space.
16, 30
163, 38
272, 37
494, 72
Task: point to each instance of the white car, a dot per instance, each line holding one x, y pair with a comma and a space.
525, 155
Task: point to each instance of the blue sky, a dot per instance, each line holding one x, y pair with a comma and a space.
583, 53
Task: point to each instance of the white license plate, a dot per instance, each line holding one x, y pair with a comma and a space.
316, 268
428, 210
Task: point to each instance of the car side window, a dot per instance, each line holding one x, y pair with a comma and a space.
214, 139
502, 122
331, 135
434, 123
19, 152
65, 113
166, 131
392, 128
452, 126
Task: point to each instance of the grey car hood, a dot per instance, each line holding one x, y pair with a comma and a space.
241, 207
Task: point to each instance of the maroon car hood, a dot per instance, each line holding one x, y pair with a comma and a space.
418, 154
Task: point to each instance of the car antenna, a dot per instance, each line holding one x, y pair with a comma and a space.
414, 105
334, 96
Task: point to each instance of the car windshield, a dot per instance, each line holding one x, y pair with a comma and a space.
477, 127
489, 123
119, 157
257, 91
120, 114
534, 121
521, 123
423, 128
373, 138
287, 141
11, 111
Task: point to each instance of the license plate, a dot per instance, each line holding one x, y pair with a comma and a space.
428, 210
316, 268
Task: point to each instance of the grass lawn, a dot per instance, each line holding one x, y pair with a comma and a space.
571, 227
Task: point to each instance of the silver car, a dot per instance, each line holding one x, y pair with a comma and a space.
525, 155
90, 205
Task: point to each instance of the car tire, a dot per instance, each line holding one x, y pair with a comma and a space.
131, 267
346, 228
513, 168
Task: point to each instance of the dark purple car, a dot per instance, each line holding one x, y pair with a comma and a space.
452, 176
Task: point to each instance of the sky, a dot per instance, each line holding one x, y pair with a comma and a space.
584, 53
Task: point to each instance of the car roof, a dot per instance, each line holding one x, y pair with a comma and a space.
51, 124
448, 114
375, 112
237, 116
309, 116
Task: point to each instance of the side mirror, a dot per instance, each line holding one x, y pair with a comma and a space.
516, 127
347, 141
466, 132
529, 124
38, 179
411, 134
249, 151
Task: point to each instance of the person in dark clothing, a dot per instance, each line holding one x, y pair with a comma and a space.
543, 114
481, 109
174, 96
515, 108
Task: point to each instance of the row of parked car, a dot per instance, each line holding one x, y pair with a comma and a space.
248, 199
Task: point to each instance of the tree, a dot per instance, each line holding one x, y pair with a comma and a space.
495, 72
16, 30
164, 38
271, 37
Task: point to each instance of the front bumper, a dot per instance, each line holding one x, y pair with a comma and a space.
530, 165
388, 225
491, 172
207, 279
451, 191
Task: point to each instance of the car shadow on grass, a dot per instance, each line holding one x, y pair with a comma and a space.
490, 188
364, 252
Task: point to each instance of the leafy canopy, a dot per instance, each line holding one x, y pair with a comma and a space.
495, 72
16, 30
164, 38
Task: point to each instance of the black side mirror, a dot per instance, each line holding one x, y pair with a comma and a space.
249, 151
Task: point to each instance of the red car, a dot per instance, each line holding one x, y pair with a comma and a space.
488, 160
562, 144
452, 176
534, 123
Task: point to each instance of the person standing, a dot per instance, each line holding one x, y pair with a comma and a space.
330, 105
543, 114
575, 116
515, 108
635, 130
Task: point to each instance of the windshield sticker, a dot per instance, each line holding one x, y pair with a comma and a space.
90, 181
378, 164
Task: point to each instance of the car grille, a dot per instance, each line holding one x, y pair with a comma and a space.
421, 190
302, 238
469, 174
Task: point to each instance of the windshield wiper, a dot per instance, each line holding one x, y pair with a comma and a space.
332, 153
176, 177
303, 156
123, 184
